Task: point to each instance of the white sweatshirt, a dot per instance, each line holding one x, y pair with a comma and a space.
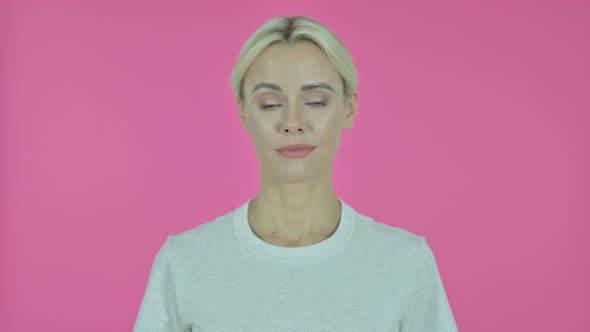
367, 276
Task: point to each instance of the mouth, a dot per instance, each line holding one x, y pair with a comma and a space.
295, 153
297, 146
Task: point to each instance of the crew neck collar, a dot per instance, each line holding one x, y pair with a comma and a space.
338, 239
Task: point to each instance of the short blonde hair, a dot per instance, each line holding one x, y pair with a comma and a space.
292, 29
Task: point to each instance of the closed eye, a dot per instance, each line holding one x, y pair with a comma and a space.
269, 107
316, 104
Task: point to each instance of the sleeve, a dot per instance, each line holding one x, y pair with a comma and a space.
429, 310
159, 308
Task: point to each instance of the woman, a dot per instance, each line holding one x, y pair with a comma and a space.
296, 257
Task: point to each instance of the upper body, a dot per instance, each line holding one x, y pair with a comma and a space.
295, 258
367, 276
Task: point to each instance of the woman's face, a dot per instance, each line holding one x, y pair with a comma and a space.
293, 94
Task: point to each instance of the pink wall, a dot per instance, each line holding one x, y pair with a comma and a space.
118, 127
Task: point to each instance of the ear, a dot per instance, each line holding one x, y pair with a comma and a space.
242, 113
351, 107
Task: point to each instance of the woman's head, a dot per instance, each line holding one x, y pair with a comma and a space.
290, 30
295, 82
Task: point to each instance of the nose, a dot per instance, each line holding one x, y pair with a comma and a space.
293, 122
296, 129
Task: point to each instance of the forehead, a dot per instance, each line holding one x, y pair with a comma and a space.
291, 65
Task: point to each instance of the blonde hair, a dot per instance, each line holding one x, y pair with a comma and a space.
292, 29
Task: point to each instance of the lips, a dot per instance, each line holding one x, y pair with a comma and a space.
299, 146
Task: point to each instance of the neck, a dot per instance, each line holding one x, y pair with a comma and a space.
294, 216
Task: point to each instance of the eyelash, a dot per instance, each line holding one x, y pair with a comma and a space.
273, 106
269, 107
317, 104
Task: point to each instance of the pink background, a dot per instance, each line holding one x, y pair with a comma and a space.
118, 127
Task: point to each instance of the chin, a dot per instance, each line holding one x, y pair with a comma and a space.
295, 173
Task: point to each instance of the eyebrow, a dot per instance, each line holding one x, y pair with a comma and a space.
306, 87
317, 85
266, 85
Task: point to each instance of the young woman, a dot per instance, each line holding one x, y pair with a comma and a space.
296, 257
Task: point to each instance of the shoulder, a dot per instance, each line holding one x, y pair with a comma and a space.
388, 239
204, 236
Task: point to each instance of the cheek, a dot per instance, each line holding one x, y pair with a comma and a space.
262, 131
329, 131
330, 124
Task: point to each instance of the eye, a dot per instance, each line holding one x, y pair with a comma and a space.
316, 104
270, 107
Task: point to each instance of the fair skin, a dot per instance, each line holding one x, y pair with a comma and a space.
296, 204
